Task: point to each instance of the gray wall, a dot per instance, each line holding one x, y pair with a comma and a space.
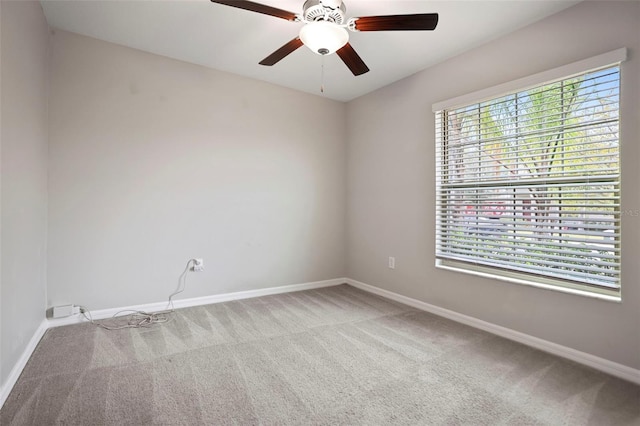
391, 186
154, 161
23, 220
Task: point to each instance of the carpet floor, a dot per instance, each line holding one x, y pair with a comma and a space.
336, 355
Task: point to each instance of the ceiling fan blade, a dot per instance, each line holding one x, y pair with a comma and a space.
279, 54
352, 60
259, 8
416, 22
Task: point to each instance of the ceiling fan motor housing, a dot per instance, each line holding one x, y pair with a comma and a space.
324, 10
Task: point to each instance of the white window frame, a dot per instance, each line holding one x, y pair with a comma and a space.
611, 58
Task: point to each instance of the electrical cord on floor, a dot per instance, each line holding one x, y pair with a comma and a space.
140, 319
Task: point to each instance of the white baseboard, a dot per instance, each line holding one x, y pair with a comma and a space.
8, 385
197, 301
604, 365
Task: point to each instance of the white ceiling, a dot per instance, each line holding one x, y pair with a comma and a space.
235, 40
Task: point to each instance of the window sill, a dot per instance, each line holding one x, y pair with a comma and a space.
528, 282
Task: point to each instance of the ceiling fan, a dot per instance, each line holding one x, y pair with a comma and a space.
325, 29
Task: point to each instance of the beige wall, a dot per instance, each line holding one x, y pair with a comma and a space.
391, 186
154, 161
23, 177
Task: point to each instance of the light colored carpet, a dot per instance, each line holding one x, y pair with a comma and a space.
329, 356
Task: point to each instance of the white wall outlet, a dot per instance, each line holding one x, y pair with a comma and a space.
198, 265
392, 262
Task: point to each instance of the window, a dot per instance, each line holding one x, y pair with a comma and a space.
528, 182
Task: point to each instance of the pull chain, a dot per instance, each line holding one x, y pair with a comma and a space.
322, 76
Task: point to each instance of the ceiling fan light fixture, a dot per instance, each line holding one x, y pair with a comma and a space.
323, 37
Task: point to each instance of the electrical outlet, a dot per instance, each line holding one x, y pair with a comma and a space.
198, 265
392, 262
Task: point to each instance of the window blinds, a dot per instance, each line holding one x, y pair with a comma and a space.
529, 182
